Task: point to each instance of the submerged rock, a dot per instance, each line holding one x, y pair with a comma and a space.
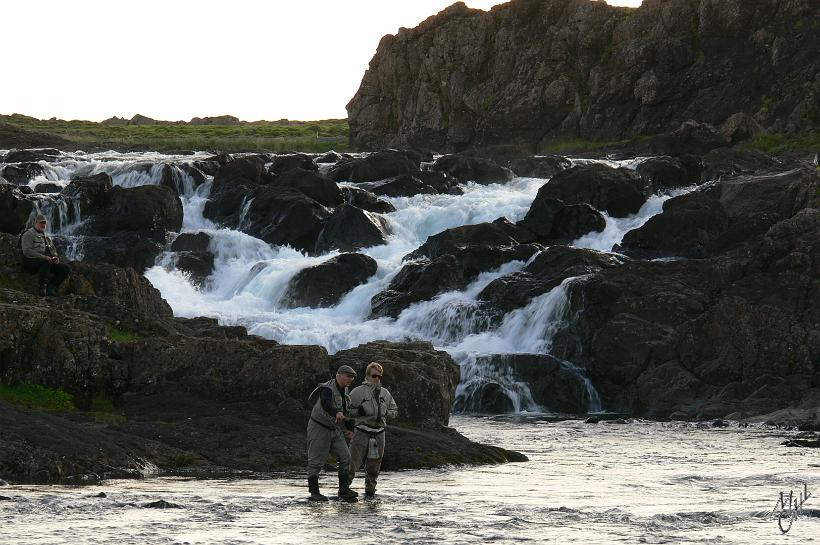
325, 284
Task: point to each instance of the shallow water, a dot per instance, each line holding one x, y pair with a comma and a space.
641, 482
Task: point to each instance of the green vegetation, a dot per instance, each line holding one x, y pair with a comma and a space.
12, 283
309, 136
120, 336
35, 396
773, 143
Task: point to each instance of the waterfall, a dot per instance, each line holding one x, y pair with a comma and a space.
250, 277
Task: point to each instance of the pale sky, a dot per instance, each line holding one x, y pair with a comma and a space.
177, 59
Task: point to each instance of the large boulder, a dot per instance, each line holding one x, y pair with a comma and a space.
617, 191
31, 155
232, 186
421, 379
691, 138
284, 216
316, 186
138, 250
92, 192
22, 173
550, 221
376, 166
288, 162
325, 284
193, 255
727, 162
541, 166
667, 172
399, 186
549, 268
15, 209
465, 169
142, 208
350, 228
366, 200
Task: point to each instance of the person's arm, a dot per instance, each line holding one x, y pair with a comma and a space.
392, 408
326, 396
28, 247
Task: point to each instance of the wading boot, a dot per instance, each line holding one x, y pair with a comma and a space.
344, 488
313, 487
42, 290
51, 290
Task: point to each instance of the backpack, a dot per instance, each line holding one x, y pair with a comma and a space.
20, 239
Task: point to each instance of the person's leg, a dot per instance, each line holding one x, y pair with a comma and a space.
318, 446
358, 452
372, 468
41, 267
61, 272
342, 453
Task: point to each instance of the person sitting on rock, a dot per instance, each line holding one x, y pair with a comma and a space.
373, 404
40, 256
328, 431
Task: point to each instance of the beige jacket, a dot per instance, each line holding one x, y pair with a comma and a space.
37, 245
372, 405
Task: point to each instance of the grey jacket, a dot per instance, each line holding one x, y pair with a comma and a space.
372, 405
318, 414
37, 245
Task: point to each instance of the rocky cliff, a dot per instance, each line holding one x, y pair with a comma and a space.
532, 71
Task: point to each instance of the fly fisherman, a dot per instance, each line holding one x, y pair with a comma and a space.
328, 430
40, 257
372, 404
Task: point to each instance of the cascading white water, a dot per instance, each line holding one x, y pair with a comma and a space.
250, 276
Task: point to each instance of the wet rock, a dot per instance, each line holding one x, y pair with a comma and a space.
805, 443
490, 235
728, 162
100, 495
198, 265
350, 228
91, 191
15, 209
284, 216
329, 157
5, 498
196, 174
22, 173
161, 504
123, 249
539, 167
399, 186
316, 186
550, 221
31, 155
465, 169
740, 127
48, 188
417, 282
288, 162
439, 181
377, 166
191, 242
142, 208
83, 479
691, 138
688, 227
551, 267
669, 172
617, 191
366, 200
233, 183
325, 284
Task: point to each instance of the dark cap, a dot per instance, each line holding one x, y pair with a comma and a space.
346, 370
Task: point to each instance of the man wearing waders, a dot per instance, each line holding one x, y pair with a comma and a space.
327, 430
372, 404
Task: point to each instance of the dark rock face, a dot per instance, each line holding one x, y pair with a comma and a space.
691, 138
193, 255
551, 267
48, 188
137, 250
143, 208
447, 261
666, 172
399, 186
329, 157
706, 223
91, 191
284, 216
538, 167
724, 162
527, 73
617, 191
366, 200
191, 242
31, 155
472, 169
233, 183
350, 228
549, 221
740, 127
316, 186
15, 209
377, 166
285, 163
325, 284
422, 380
555, 385
731, 334
22, 173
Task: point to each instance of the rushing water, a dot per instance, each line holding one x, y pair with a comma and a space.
250, 277
636, 482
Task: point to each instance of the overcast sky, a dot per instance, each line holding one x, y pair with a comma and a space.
177, 59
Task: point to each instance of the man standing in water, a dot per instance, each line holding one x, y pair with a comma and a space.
373, 404
40, 257
328, 430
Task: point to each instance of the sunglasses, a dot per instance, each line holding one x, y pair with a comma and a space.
376, 376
